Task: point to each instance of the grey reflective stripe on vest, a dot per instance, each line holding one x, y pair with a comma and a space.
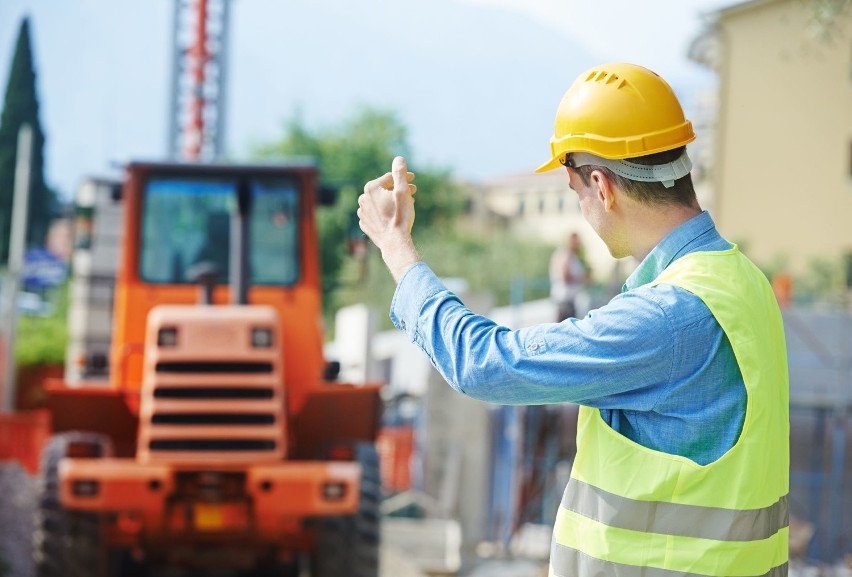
675, 519
568, 562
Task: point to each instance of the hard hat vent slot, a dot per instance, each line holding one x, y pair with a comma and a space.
607, 78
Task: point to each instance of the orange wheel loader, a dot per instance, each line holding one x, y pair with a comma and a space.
222, 439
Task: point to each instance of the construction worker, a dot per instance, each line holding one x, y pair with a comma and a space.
682, 458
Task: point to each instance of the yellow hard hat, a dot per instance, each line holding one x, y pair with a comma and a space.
618, 111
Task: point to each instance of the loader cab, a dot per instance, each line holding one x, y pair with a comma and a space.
188, 222
246, 232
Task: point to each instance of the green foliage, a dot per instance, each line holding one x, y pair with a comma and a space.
20, 107
43, 340
361, 149
358, 150
827, 18
777, 265
489, 263
822, 282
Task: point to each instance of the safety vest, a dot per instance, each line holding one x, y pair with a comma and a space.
631, 511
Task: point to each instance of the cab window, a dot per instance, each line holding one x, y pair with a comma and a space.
188, 221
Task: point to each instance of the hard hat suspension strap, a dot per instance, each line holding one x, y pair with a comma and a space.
666, 173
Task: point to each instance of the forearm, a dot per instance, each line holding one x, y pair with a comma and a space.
600, 361
399, 256
475, 355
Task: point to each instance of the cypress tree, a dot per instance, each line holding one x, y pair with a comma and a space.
21, 106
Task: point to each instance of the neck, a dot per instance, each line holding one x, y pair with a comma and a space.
650, 225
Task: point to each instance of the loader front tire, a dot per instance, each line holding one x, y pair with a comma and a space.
349, 545
65, 543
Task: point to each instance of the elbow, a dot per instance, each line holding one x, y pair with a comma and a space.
479, 384
474, 365
462, 382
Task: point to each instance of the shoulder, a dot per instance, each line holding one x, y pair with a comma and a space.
661, 307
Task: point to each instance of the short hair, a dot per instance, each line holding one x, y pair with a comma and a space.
651, 193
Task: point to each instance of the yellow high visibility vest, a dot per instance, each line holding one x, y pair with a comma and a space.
631, 511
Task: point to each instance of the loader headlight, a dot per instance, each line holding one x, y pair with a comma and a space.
167, 337
85, 488
333, 491
261, 337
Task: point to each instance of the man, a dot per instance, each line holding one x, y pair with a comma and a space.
682, 461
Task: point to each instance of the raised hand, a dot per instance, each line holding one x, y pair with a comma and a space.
386, 215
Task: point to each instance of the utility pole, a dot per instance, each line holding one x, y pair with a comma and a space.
18, 237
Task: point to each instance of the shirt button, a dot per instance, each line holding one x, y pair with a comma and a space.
402, 324
534, 347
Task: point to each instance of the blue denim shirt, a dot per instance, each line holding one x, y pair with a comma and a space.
653, 360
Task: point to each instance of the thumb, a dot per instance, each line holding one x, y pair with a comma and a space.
399, 169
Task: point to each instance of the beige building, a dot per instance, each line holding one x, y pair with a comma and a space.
783, 141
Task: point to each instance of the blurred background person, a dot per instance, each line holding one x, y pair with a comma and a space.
569, 275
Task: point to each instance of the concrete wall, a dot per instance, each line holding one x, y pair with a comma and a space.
95, 260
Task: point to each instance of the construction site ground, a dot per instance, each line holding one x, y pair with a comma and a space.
17, 504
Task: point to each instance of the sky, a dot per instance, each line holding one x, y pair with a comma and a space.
476, 82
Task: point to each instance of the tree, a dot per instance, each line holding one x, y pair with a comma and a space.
348, 155
20, 107
826, 18
361, 148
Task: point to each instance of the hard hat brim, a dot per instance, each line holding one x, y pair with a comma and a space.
551, 164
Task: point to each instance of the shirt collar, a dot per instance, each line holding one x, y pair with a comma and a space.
674, 245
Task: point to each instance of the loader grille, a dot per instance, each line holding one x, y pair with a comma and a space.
213, 367
188, 416
213, 419
197, 411
212, 445
211, 394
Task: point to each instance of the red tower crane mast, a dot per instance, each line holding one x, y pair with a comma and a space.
197, 96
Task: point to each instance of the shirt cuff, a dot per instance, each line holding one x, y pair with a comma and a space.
417, 284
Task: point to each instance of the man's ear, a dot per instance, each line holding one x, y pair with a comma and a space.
605, 188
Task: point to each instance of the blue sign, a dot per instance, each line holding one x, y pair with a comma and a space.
42, 269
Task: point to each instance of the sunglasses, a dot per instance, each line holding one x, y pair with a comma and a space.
567, 161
